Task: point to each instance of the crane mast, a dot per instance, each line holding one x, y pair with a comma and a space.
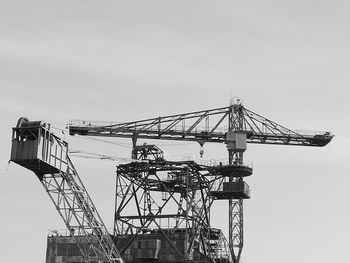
233, 125
236, 147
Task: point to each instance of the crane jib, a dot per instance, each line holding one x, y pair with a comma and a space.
217, 137
204, 126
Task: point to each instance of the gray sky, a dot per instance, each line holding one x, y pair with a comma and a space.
129, 60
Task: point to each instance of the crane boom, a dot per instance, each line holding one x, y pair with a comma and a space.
37, 149
203, 126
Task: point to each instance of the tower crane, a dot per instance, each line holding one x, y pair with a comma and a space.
234, 125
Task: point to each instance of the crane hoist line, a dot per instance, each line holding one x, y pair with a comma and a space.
162, 207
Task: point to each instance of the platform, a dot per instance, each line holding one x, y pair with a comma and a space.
232, 190
233, 170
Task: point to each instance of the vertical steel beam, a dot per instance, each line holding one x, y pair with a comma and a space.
236, 122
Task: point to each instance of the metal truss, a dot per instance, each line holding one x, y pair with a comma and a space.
230, 125
36, 148
203, 126
219, 247
75, 206
236, 123
167, 197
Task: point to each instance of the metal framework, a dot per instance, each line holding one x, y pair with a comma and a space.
37, 149
234, 125
202, 126
168, 197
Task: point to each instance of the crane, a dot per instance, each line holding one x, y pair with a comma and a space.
234, 125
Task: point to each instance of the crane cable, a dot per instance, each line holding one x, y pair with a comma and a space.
64, 131
90, 155
125, 145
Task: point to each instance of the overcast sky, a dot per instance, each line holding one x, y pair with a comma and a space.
129, 60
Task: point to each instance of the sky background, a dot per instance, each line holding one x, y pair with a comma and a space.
129, 60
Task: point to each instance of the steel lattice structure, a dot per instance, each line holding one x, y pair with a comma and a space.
152, 187
169, 197
203, 126
233, 125
36, 148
